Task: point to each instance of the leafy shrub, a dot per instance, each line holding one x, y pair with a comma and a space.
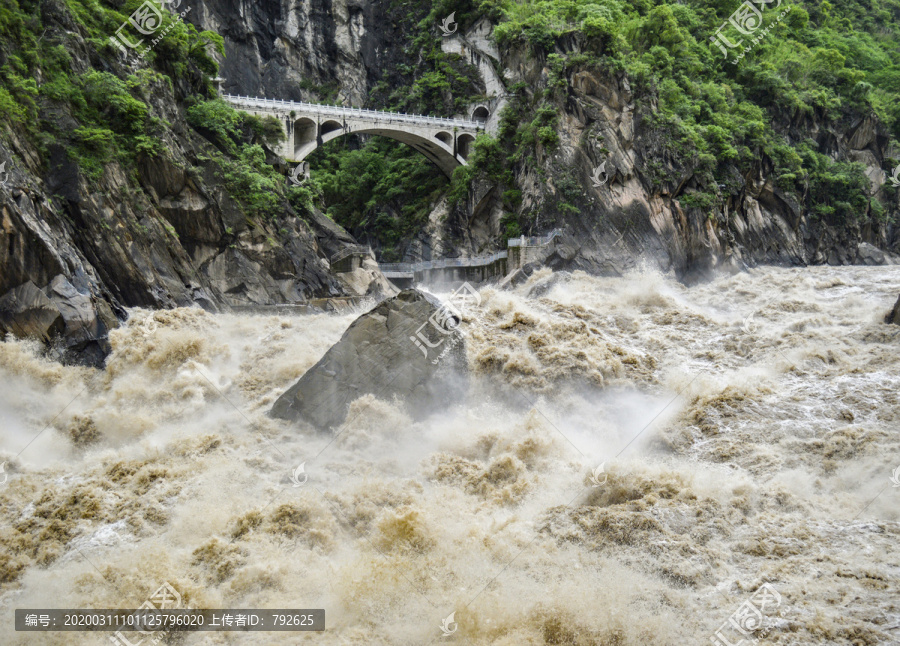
268, 129
249, 180
95, 147
382, 191
218, 122
110, 97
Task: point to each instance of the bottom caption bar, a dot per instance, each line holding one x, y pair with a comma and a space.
154, 620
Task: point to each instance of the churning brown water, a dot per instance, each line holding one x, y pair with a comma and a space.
747, 431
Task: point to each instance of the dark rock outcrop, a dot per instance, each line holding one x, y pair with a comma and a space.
542, 288
867, 254
26, 312
88, 321
163, 233
75, 322
563, 252
894, 315
408, 346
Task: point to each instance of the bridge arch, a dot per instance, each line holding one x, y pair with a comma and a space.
329, 126
305, 132
464, 145
445, 149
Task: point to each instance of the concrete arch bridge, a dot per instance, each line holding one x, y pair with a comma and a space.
446, 142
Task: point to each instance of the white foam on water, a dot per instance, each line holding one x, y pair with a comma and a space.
731, 451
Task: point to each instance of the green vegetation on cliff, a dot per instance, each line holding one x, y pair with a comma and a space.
705, 122
380, 190
241, 164
37, 65
99, 117
822, 66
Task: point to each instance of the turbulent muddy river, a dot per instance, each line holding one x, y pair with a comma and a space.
637, 462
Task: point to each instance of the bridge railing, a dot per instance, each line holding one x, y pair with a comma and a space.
351, 112
443, 263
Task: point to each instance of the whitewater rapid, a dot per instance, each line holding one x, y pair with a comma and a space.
634, 460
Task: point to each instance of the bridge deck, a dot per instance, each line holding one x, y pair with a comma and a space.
338, 111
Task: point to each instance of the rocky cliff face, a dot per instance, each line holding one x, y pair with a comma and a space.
282, 48
163, 236
630, 217
168, 234
180, 241
304, 50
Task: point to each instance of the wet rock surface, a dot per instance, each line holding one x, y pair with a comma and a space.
518, 276
72, 320
27, 312
160, 235
407, 347
894, 315
88, 321
543, 288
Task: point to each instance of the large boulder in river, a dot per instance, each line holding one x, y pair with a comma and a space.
408, 346
894, 315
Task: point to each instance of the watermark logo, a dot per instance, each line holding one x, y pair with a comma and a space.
300, 173
6, 476
749, 326
297, 473
895, 178
4, 176
445, 320
149, 325
445, 26
595, 476
146, 20
166, 597
595, 178
895, 477
446, 624
748, 618
746, 19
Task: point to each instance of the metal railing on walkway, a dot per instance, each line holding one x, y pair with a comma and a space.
443, 263
534, 241
349, 251
339, 111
